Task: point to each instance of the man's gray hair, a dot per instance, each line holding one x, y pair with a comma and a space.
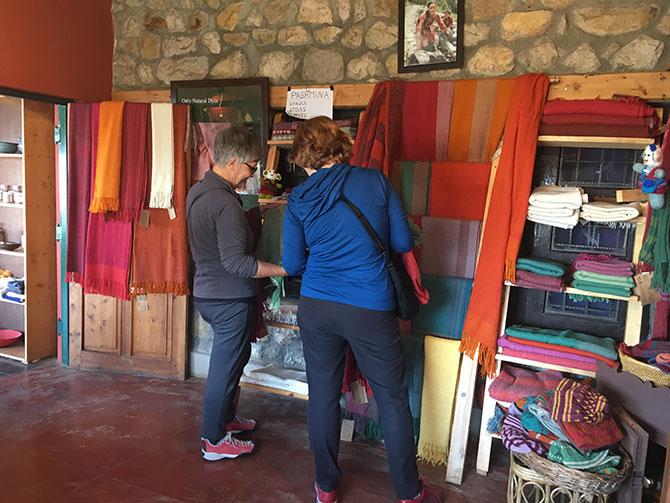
238, 142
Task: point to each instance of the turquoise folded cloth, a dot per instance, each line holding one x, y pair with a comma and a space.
589, 286
593, 461
541, 267
604, 346
605, 279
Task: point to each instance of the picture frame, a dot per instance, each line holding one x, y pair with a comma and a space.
218, 104
430, 35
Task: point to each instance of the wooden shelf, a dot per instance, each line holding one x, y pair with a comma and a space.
575, 291
13, 253
11, 156
10, 205
593, 142
534, 363
15, 352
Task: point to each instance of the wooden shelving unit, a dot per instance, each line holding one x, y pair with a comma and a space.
34, 169
593, 142
576, 291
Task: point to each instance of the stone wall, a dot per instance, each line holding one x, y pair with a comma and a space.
329, 41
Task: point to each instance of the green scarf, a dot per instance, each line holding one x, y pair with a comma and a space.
656, 248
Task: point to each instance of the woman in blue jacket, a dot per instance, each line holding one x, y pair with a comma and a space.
347, 299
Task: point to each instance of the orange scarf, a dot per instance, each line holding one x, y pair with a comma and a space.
108, 159
506, 218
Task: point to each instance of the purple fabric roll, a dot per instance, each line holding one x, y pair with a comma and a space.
506, 343
602, 264
529, 279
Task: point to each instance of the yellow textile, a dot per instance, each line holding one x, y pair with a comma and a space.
440, 377
107, 183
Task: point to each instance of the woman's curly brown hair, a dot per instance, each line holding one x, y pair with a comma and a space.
319, 141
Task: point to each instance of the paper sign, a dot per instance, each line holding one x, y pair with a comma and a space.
172, 213
643, 289
142, 303
347, 430
358, 392
309, 102
144, 218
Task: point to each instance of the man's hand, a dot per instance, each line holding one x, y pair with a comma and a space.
267, 269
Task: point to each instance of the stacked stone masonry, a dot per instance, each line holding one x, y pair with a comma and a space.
330, 41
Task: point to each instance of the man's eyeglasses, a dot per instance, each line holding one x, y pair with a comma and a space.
253, 166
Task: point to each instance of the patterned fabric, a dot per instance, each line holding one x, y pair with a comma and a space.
516, 439
412, 180
449, 247
443, 316
594, 461
575, 402
649, 352
527, 279
543, 415
604, 346
515, 382
588, 437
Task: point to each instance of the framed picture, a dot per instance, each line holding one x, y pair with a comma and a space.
431, 35
220, 104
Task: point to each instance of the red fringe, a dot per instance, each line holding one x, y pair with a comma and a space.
74, 277
145, 287
105, 287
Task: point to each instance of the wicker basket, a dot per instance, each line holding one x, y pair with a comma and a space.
643, 370
586, 482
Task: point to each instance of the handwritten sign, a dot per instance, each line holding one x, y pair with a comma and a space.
309, 102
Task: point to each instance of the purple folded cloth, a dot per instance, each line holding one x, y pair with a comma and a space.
602, 264
504, 342
529, 279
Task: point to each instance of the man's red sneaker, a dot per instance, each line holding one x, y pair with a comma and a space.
227, 448
428, 494
241, 425
323, 496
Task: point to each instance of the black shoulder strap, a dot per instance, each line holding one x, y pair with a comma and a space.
373, 235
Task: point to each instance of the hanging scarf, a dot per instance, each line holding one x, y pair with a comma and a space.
108, 243
162, 156
160, 251
108, 158
506, 219
79, 187
134, 180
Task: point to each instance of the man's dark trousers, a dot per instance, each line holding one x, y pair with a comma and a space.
232, 322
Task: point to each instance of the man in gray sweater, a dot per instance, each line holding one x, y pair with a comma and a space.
222, 246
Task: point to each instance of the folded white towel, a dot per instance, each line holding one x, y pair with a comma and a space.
551, 212
554, 196
609, 212
562, 222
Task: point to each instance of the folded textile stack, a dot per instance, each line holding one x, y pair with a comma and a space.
540, 274
514, 382
556, 206
653, 352
609, 212
14, 290
629, 117
570, 425
559, 347
603, 274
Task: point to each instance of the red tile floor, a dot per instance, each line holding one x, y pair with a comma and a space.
73, 436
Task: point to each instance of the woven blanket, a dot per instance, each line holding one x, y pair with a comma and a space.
79, 143
595, 461
411, 180
592, 437
627, 107
135, 160
597, 287
514, 382
107, 266
610, 120
605, 279
633, 131
562, 349
108, 158
555, 358
440, 376
515, 437
162, 156
576, 402
609, 212
604, 346
506, 218
602, 264
449, 247
458, 190
413, 349
528, 279
164, 237
443, 316
539, 409
541, 266
567, 222
554, 196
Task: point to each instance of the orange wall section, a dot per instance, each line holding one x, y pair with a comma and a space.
60, 48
